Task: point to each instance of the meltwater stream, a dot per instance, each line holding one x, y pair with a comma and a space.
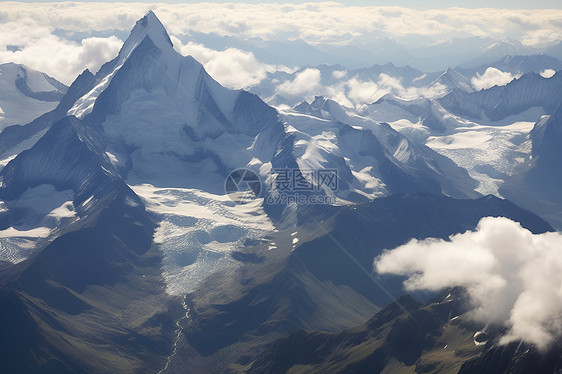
180, 324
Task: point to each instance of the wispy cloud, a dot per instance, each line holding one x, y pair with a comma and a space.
513, 277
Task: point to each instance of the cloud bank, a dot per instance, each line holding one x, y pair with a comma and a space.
326, 21
64, 38
512, 276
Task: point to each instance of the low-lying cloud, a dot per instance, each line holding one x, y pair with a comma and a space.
547, 73
512, 276
305, 83
490, 78
352, 91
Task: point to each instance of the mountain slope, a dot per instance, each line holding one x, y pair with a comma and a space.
380, 160
536, 184
25, 94
62, 180
91, 301
517, 64
91, 293
17, 138
452, 80
531, 90
325, 283
406, 336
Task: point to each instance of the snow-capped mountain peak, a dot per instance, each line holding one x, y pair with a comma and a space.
452, 79
150, 26
149, 29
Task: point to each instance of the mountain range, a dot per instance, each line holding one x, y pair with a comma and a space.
121, 251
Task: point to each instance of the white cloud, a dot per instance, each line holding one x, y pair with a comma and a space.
339, 74
305, 83
513, 277
61, 58
338, 93
491, 77
232, 68
437, 89
423, 76
547, 73
361, 92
